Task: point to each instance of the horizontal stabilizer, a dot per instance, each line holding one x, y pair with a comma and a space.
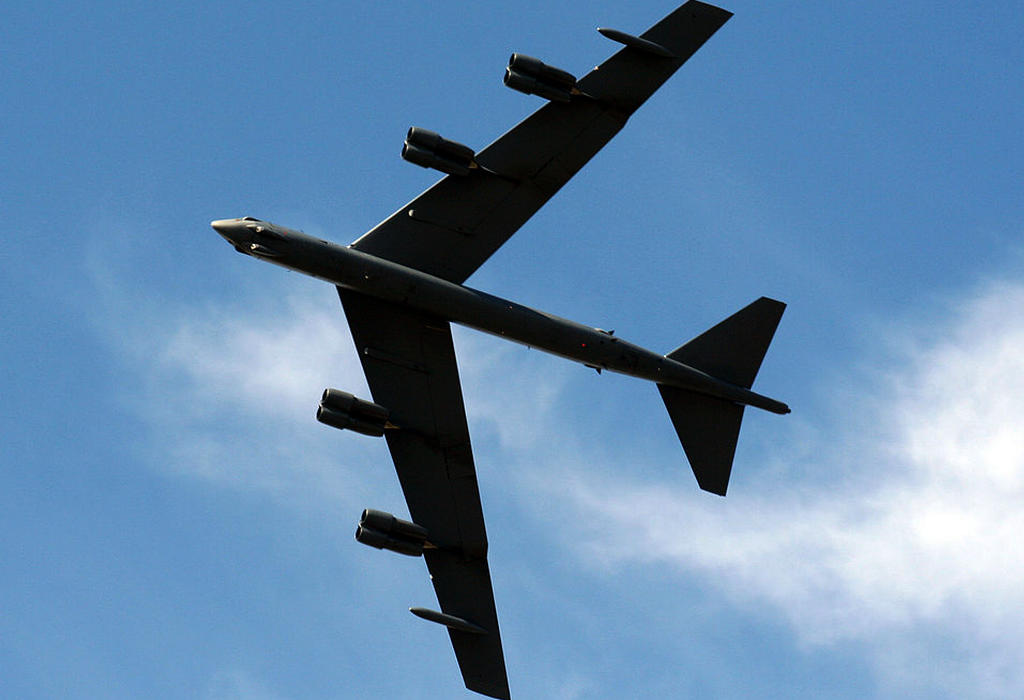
708, 427
733, 350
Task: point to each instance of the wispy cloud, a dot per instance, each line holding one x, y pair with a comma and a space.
912, 551
229, 393
916, 555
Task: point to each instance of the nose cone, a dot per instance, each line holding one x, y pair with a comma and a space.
233, 230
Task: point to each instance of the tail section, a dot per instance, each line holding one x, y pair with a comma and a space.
708, 427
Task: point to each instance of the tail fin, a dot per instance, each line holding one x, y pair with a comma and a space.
707, 426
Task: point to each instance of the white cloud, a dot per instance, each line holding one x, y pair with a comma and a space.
918, 558
230, 394
280, 360
911, 551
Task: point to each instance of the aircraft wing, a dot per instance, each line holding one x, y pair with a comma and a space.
453, 227
409, 361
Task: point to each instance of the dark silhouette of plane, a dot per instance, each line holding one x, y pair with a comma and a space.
401, 287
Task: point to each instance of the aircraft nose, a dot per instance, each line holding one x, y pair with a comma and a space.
222, 226
230, 229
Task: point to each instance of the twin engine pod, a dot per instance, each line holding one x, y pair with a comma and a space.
343, 411
530, 75
384, 531
429, 150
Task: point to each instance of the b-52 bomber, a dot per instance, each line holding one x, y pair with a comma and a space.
401, 286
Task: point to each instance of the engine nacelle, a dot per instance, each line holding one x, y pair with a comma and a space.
343, 411
530, 75
429, 150
384, 531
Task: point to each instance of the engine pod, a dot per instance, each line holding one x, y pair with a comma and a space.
532, 76
384, 531
342, 410
429, 149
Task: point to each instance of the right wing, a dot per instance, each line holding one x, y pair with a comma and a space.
453, 227
409, 361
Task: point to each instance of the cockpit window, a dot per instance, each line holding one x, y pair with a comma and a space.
249, 218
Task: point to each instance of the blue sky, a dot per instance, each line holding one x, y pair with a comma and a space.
176, 524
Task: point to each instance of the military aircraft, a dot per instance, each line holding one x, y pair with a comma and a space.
401, 286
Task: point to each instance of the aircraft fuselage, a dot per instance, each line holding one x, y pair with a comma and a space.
376, 277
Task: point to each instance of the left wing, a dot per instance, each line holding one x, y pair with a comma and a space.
453, 227
409, 361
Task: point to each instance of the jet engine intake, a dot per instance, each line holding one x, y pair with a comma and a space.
429, 150
384, 531
343, 411
533, 77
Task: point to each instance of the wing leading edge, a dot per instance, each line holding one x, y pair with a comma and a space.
409, 361
458, 223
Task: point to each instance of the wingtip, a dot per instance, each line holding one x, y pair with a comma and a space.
721, 11
716, 490
490, 690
